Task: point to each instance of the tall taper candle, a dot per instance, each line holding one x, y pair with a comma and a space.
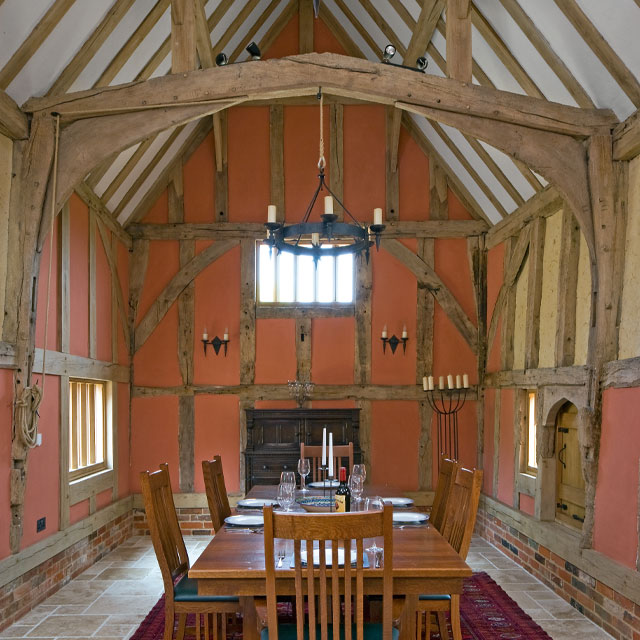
324, 447
425, 385
450, 381
331, 454
458, 381
441, 382
430, 381
465, 380
328, 204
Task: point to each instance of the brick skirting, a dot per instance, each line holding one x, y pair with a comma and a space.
610, 610
21, 595
193, 521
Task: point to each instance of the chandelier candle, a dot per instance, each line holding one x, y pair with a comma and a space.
271, 213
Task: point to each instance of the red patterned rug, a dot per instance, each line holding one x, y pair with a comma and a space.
487, 613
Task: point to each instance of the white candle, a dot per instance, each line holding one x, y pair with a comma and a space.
331, 455
377, 216
328, 204
384, 331
450, 381
441, 382
315, 239
404, 331
458, 381
324, 447
226, 334
425, 385
205, 335
271, 213
465, 380
431, 385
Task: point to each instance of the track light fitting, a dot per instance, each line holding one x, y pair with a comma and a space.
253, 50
390, 51
221, 60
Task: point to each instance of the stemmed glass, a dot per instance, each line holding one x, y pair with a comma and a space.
356, 486
288, 477
286, 495
359, 470
374, 503
304, 467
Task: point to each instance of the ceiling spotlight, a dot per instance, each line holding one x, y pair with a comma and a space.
389, 52
421, 63
221, 60
254, 51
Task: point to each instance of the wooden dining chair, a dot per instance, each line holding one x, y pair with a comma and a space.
216, 491
329, 580
446, 476
457, 529
181, 592
342, 455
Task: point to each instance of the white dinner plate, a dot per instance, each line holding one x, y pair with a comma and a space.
326, 483
399, 502
409, 517
245, 521
257, 503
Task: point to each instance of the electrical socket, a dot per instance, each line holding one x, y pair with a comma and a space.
41, 524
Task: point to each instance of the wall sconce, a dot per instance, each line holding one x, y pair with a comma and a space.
394, 341
216, 343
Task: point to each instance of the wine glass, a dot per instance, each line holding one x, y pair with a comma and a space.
304, 467
288, 477
356, 486
374, 503
286, 495
359, 470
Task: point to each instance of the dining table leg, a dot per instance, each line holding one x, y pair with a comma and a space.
249, 618
408, 618
455, 616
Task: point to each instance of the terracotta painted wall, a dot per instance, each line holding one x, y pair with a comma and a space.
43, 483
154, 420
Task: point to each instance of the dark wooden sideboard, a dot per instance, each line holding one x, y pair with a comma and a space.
274, 437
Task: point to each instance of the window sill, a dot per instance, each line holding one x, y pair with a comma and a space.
88, 486
526, 483
311, 310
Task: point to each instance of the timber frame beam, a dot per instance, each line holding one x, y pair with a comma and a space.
13, 123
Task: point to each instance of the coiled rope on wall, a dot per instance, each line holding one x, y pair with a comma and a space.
31, 396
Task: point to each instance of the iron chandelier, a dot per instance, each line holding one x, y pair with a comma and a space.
341, 237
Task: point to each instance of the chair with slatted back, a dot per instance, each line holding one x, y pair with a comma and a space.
181, 592
457, 529
328, 579
446, 476
216, 491
342, 455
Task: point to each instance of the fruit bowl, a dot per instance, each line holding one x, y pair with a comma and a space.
317, 504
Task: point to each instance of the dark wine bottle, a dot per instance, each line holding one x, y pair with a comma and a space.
343, 493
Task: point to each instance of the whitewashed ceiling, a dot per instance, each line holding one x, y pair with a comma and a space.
577, 52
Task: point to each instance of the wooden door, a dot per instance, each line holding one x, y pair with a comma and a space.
570, 482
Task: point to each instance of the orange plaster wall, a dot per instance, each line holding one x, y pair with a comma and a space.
489, 417
103, 302
394, 444
123, 271
6, 408
324, 40
527, 504
413, 179
154, 438
275, 351
79, 277
199, 184
452, 265
457, 210
617, 489
218, 433
43, 484
52, 330
220, 281
123, 440
159, 212
505, 453
332, 350
393, 304
249, 182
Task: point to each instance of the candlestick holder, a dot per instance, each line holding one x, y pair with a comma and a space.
447, 404
324, 474
216, 343
393, 342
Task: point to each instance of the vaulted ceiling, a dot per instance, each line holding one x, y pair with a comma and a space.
576, 52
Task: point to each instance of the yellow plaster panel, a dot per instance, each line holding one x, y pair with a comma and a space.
549, 302
629, 341
520, 324
6, 149
583, 304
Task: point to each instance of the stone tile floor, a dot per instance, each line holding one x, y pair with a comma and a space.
111, 598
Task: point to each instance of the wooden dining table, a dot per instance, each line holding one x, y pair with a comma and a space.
423, 563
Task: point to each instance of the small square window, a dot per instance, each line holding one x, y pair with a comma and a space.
87, 428
285, 278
